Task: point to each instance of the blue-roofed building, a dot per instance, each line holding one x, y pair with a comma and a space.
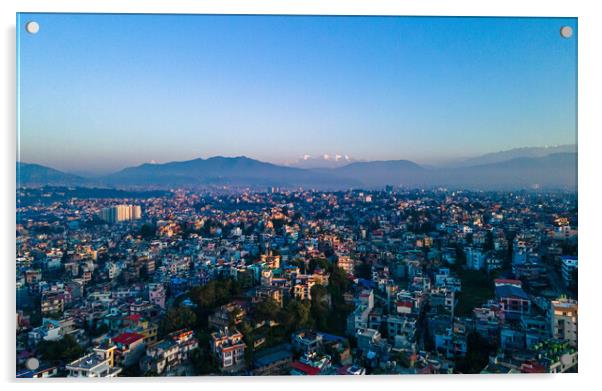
178, 285
331, 337
40, 372
368, 284
513, 300
273, 361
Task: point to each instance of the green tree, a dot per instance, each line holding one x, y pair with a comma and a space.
477, 355
296, 315
203, 361
318, 263
244, 281
319, 307
176, 319
338, 283
267, 310
364, 270
65, 349
148, 231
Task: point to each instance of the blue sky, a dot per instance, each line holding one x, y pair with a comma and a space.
101, 92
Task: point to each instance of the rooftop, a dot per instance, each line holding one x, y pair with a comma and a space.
304, 368
87, 362
510, 291
127, 338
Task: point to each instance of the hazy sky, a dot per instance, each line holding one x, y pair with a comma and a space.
98, 93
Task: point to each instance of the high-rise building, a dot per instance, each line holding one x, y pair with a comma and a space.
136, 212
117, 213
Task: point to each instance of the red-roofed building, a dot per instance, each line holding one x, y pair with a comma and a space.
130, 348
134, 318
404, 307
127, 338
303, 369
310, 364
532, 367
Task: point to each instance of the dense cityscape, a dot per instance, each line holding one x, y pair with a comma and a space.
235, 281
278, 194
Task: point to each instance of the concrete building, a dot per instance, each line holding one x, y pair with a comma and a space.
228, 347
563, 318
100, 363
118, 213
569, 265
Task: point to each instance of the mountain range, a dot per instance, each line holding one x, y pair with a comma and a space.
516, 169
36, 174
323, 161
497, 157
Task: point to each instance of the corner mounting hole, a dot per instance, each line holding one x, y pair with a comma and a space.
566, 31
32, 27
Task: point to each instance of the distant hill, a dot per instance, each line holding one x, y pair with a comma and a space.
558, 170
553, 171
38, 175
380, 173
529, 152
219, 170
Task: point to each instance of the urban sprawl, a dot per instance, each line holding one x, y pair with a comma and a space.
282, 282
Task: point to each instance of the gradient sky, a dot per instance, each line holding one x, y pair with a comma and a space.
102, 92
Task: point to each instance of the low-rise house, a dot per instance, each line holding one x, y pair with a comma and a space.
100, 363
156, 294
302, 287
43, 371
136, 323
169, 353
229, 349
50, 330
273, 361
556, 356
512, 298
452, 341
225, 315
367, 338
401, 331
359, 318
311, 363
444, 279
52, 302
487, 321
550, 356
307, 341
130, 348
442, 300
267, 292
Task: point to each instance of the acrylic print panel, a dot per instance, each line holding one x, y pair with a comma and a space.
295, 195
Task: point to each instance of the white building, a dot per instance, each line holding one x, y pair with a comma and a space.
117, 213
563, 317
100, 363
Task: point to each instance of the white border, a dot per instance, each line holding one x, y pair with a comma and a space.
590, 66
